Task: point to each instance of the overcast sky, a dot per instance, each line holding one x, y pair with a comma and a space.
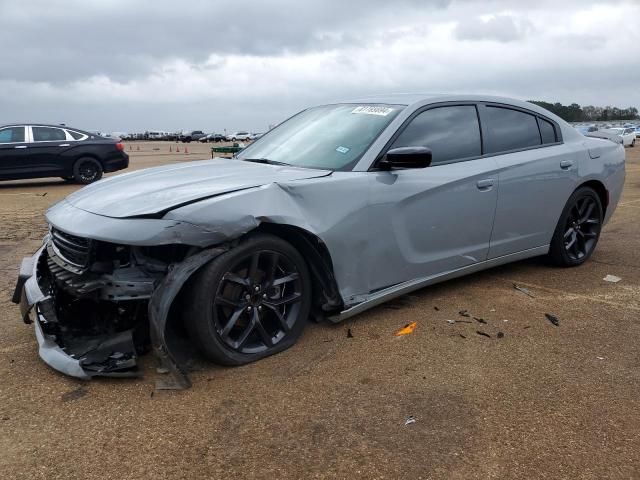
124, 65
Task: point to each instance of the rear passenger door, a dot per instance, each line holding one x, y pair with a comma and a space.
45, 149
538, 172
13, 151
424, 222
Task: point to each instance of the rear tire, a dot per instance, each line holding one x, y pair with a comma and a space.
578, 229
87, 170
633, 142
250, 302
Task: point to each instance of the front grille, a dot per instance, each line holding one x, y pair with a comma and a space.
72, 249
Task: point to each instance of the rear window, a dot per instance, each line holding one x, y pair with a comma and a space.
12, 135
510, 129
548, 131
47, 134
76, 135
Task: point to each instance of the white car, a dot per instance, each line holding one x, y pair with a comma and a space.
239, 136
628, 135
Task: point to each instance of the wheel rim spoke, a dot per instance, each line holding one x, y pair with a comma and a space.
226, 302
232, 322
264, 335
281, 319
278, 302
270, 271
233, 278
253, 266
589, 211
289, 278
246, 333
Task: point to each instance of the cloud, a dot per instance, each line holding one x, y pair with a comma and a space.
500, 28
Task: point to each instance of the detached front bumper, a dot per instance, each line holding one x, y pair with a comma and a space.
84, 356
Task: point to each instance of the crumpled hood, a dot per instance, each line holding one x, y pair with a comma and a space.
158, 189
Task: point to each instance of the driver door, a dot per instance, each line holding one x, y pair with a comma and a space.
433, 220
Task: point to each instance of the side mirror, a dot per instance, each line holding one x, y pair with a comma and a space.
406, 157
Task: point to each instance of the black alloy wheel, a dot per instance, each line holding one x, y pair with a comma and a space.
578, 229
87, 170
251, 302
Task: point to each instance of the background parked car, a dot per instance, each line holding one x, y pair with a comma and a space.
255, 136
192, 136
239, 136
213, 137
628, 135
38, 151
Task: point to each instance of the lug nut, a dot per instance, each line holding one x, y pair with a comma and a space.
257, 288
264, 295
249, 308
260, 307
247, 297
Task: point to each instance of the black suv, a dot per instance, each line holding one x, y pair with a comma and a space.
38, 151
192, 137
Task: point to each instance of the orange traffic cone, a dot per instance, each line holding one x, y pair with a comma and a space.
177, 149
186, 151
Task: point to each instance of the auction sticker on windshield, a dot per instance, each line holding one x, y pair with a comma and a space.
372, 110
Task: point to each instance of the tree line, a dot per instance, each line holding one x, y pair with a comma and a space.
589, 113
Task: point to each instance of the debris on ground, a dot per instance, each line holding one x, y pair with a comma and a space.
451, 322
480, 320
553, 319
464, 313
436, 309
492, 310
526, 326
523, 290
407, 329
162, 370
483, 334
600, 358
612, 279
410, 419
461, 335
500, 335
349, 334
74, 394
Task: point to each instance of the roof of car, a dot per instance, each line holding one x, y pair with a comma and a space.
37, 124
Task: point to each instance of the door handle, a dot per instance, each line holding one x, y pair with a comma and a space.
64, 145
566, 164
21, 146
485, 184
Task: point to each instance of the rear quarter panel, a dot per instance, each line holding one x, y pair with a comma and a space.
604, 161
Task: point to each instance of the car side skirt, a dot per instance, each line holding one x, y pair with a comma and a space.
398, 290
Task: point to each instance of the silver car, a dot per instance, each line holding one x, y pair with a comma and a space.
336, 210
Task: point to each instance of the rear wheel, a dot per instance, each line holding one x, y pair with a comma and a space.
578, 229
87, 170
251, 302
633, 142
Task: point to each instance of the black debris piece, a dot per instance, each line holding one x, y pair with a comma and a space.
461, 335
436, 309
480, 320
5, 418
525, 327
349, 334
464, 313
500, 335
152, 392
74, 394
483, 334
553, 319
523, 290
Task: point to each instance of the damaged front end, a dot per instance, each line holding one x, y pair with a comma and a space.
97, 306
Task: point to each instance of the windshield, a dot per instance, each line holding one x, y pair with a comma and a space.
331, 137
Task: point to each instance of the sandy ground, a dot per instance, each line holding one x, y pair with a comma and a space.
541, 402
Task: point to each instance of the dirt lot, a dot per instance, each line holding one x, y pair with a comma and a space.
541, 402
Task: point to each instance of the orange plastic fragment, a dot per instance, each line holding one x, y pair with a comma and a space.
407, 329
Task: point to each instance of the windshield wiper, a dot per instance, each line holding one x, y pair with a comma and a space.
265, 160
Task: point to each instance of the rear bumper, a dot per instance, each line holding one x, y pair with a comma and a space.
110, 354
120, 161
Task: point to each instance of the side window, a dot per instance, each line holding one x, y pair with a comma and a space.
510, 129
547, 131
12, 135
452, 133
77, 135
48, 134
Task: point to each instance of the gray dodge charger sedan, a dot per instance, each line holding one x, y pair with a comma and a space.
336, 210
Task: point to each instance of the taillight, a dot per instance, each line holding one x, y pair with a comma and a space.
120, 146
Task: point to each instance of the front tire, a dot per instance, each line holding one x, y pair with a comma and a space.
87, 170
250, 302
578, 229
